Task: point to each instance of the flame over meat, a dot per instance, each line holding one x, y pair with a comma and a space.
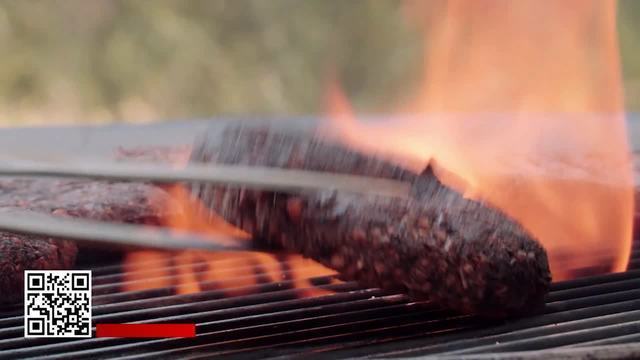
522, 100
234, 273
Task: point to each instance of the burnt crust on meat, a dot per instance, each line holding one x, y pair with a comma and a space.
29, 252
461, 254
96, 200
125, 202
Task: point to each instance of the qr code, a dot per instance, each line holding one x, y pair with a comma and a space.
57, 303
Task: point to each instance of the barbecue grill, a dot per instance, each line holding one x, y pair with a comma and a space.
597, 315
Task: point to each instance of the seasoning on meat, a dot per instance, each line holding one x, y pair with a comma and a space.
105, 201
437, 245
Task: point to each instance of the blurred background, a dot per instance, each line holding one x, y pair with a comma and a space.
78, 61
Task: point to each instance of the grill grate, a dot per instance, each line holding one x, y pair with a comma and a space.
272, 320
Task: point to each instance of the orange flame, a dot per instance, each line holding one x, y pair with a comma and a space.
523, 101
190, 216
233, 273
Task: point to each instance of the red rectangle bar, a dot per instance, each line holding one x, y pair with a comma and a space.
146, 330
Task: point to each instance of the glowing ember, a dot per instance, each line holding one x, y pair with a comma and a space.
523, 101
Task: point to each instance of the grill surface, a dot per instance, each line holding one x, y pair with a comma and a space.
272, 320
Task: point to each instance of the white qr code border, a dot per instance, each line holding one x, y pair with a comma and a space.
38, 313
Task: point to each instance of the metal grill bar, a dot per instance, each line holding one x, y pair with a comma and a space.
89, 231
457, 340
609, 340
562, 334
273, 320
246, 176
626, 351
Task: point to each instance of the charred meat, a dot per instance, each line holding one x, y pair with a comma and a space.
115, 202
436, 245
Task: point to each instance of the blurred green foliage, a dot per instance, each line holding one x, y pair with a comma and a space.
629, 37
137, 60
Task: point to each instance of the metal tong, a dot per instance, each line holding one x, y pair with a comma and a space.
282, 180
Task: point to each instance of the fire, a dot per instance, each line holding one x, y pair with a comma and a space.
190, 217
233, 273
134, 269
523, 101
